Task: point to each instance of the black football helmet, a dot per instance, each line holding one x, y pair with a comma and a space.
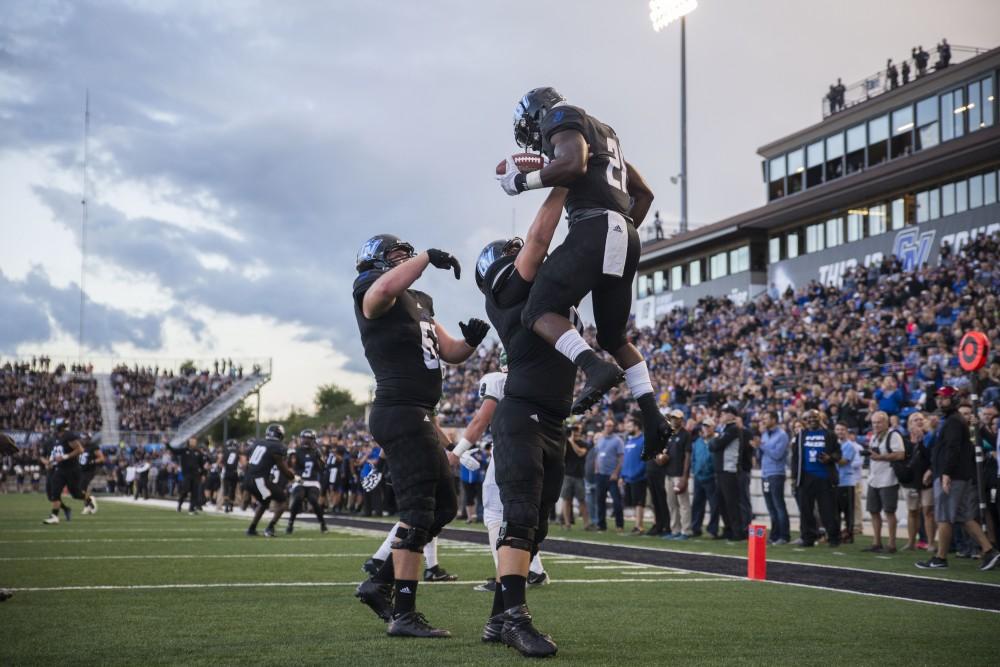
494, 251
274, 432
60, 423
232, 442
528, 116
308, 435
374, 254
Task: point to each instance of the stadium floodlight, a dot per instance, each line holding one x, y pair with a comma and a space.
664, 12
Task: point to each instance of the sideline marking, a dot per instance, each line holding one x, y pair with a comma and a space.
195, 556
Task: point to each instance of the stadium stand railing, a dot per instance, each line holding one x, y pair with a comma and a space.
202, 420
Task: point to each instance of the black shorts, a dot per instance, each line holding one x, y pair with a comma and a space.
86, 477
263, 488
635, 493
529, 452
594, 259
60, 478
418, 465
472, 491
229, 487
300, 493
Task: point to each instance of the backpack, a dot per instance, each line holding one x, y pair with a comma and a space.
903, 469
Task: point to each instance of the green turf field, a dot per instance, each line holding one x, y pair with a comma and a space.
146, 585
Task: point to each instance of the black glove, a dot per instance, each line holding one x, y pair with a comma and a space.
443, 260
474, 332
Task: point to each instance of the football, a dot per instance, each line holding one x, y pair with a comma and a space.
525, 162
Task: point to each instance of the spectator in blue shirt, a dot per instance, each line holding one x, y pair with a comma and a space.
472, 487
610, 450
773, 456
634, 472
703, 471
889, 396
850, 452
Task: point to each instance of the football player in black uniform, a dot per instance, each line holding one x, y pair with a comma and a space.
90, 458
405, 347
230, 460
267, 454
60, 455
528, 433
307, 463
192, 463
607, 202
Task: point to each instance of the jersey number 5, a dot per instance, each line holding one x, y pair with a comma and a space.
616, 163
429, 342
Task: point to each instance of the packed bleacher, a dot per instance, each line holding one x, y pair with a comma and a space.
33, 393
151, 399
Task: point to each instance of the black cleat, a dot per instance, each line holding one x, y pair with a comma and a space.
269, 532
377, 596
252, 532
67, 512
288, 529
538, 579
490, 585
438, 573
413, 624
323, 528
603, 376
493, 629
5, 594
656, 433
520, 633
372, 566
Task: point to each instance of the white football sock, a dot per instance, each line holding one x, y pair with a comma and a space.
494, 530
536, 564
431, 553
571, 345
637, 378
386, 548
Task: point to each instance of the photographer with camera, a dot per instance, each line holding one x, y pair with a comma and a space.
885, 446
573, 484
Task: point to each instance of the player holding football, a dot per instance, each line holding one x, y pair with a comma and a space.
607, 202
529, 439
405, 347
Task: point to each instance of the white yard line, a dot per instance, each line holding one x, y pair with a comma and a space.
194, 556
306, 584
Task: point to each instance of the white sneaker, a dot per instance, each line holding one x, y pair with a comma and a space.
85, 510
52, 520
93, 505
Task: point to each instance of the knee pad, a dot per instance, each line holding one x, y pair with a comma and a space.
611, 343
411, 539
516, 536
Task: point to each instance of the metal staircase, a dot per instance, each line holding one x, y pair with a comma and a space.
202, 420
110, 434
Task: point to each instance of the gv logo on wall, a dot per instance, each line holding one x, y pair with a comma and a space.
913, 247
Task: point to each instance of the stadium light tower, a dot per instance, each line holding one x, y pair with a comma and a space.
662, 13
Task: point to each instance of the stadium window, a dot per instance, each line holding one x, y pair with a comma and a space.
976, 191
878, 140
898, 213
792, 245
990, 188
658, 283
796, 171
739, 259
642, 287
694, 273
876, 220
814, 238
676, 277
855, 225
856, 149
814, 164
934, 201
835, 156
923, 208
952, 115
927, 123
774, 249
717, 266
902, 132
834, 232
989, 103
975, 106
961, 196
776, 172
948, 199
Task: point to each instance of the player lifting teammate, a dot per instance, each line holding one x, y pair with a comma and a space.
529, 439
607, 202
405, 347
307, 463
60, 455
267, 454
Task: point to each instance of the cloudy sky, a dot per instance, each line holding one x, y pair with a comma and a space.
242, 151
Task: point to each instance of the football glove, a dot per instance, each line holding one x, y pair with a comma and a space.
469, 461
443, 260
371, 480
474, 332
509, 179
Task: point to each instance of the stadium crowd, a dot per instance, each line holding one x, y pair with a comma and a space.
32, 394
151, 399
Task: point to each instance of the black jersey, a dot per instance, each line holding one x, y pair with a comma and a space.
536, 372
230, 462
88, 458
59, 447
264, 456
401, 347
605, 185
308, 464
191, 460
